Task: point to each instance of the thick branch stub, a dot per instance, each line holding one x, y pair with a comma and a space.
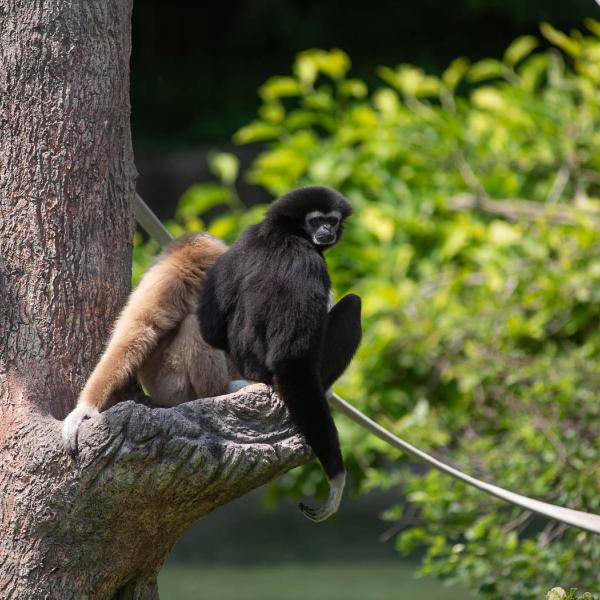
204, 452
142, 477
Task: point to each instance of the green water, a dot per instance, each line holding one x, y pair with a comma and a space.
301, 581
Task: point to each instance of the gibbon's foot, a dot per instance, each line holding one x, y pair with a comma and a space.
336, 489
236, 385
71, 425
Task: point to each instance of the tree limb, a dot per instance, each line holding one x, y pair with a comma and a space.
517, 208
142, 477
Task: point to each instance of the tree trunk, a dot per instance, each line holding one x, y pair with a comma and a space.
100, 527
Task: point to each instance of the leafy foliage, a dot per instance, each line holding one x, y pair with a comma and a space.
476, 248
558, 593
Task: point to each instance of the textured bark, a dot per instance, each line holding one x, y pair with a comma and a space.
102, 526
99, 527
66, 191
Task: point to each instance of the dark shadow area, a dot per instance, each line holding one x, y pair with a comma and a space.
196, 66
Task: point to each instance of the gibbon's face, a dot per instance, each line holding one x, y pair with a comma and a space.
323, 228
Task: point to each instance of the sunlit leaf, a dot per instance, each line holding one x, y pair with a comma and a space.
199, 198
453, 75
519, 49
279, 87
558, 38
488, 68
225, 166
256, 131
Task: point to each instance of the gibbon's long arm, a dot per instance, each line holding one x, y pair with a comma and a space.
137, 332
582, 520
165, 296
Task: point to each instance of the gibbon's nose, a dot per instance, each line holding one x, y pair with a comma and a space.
324, 235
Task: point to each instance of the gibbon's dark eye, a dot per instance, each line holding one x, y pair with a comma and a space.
333, 221
314, 222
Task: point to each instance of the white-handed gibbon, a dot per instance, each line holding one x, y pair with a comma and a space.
265, 303
157, 339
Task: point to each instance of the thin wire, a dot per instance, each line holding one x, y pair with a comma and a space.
150, 223
586, 521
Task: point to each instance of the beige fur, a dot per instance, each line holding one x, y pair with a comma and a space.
157, 337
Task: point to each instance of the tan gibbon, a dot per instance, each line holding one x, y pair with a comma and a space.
157, 338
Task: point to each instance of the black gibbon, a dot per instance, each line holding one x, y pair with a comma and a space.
157, 339
265, 303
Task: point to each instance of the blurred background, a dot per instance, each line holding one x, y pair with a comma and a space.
466, 135
196, 67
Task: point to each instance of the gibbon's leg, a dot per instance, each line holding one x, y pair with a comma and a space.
153, 310
299, 386
213, 325
130, 343
208, 368
342, 338
184, 367
166, 294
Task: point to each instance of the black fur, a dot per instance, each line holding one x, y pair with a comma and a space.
265, 303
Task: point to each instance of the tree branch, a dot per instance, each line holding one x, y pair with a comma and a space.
142, 477
517, 208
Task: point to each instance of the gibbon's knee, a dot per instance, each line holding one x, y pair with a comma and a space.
342, 338
184, 367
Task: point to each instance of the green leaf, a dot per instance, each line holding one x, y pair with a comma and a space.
334, 63
480, 528
279, 87
532, 71
306, 68
410, 80
272, 113
488, 98
387, 101
353, 87
225, 166
488, 68
593, 26
558, 38
519, 49
257, 131
199, 198
503, 234
453, 75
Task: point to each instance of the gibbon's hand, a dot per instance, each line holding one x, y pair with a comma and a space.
71, 425
321, 513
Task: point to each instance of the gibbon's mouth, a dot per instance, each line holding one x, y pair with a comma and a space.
324, 239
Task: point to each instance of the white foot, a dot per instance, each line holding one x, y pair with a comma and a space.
336, 490
236, 385
71, 425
